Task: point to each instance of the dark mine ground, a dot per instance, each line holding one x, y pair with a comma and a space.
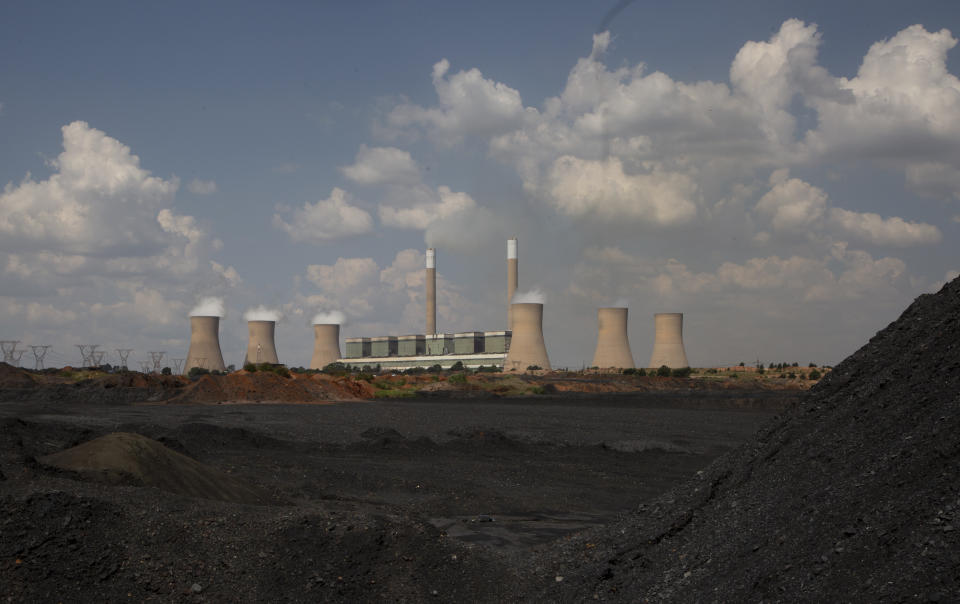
396, 500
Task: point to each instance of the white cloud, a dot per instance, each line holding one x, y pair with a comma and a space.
422, 215
873, 228
603, 191
935, 179
326, 219
468, 104
793, 205
344, 274
382, 165
202, 187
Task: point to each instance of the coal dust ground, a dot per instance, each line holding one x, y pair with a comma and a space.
409, 500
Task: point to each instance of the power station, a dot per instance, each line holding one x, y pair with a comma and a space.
204, 351
668, 341
518, 348
613, 345
261, 347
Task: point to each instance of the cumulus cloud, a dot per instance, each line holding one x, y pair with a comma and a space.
202, 187
935, 179
792, 205
873, 228
602, 190
382, 165
327, 219
422, 215
209, 306
468, 104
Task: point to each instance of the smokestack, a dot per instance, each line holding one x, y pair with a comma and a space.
204, 349
511, 278
526, 346
613, 347
431, 291
668, 341
261, 347
326, 345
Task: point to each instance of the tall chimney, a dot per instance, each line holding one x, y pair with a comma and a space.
261, 347
204, 349
431, 291
326, 345
668, 341
526, 346
613, 346
511, 278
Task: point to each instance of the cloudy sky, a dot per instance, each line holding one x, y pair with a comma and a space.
786, 174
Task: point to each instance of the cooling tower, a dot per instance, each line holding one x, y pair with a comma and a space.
511, 278
261, 347
431, 291
526, 346
204, 345
613, 347
668, 341
326, 345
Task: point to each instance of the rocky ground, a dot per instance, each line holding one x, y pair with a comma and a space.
849, 493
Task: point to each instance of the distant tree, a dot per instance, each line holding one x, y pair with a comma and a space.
629, 371
742, 364
458, 366
792, 375
663, 371
457, 378
814, 374
166, 371
796, 364
435, 368
642, 372
812, 365
231, 368
534, 367
681, 372
197, 372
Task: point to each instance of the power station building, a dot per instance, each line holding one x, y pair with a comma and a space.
471, 348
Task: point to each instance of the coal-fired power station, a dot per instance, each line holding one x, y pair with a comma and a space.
511, 278
261, 347
527, 347
613, 345
668, 341
204, 351
326, 345
431, 291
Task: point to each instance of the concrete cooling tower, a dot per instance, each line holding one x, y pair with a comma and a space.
527, 347
326, 345
613, 347
204, 349
511, 278
668, 341
431, 291
261, 347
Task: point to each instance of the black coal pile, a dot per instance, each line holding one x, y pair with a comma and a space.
852, 495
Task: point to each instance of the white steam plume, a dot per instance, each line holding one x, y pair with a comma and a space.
620, 303
209, 306
334, 317
262, 313
535, 296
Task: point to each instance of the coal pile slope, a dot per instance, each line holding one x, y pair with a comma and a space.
853, 495
126, 457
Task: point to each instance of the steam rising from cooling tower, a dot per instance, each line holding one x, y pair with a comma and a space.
204, 349
668, 341
261, 347
431, 291
209, 306
534, 296
512, 277
613, 345
334, 317
262, 313
527, 346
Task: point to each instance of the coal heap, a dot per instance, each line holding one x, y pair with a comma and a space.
853, 494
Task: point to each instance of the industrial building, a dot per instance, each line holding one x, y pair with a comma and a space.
471, 348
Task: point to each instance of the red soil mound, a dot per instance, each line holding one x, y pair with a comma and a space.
12, 377
265, 386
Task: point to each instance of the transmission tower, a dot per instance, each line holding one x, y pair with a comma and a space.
8, 347
157, 359
97, 357
17, 355
145, 366
83, 354
39, 352
176, 365
124, 354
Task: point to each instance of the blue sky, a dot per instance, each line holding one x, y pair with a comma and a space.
787, 174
